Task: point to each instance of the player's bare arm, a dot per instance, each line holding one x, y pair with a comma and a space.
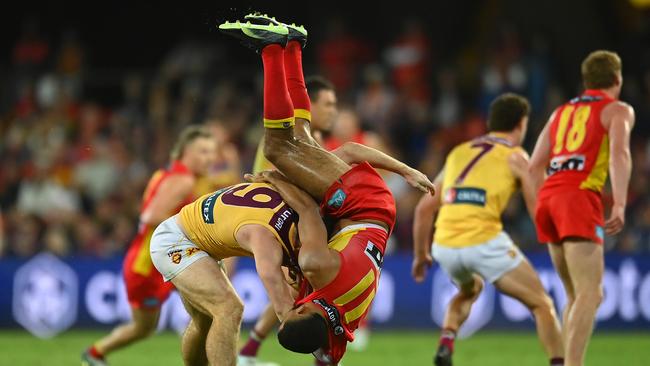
318, 263
352, 152
541, 155
425, 212
618, 119
519, 162
171, 192
267, 252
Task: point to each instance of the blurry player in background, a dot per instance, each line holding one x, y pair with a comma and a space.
167, 191
582, 140
476, 184
323, 112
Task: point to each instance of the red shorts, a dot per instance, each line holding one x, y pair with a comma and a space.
145, 287
562, 214
360, 194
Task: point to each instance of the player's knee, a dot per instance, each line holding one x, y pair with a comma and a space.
227, 307
590, 296
543, 304
275, 148
144, 329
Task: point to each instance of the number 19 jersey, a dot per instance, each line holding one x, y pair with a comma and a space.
476, 188
212, 221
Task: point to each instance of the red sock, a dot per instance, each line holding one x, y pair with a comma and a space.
296, 80
278, 109
253, 345
95, 353
447, 339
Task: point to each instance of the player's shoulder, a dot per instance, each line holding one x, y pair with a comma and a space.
617, 110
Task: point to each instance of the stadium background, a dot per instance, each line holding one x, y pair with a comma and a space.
92, 96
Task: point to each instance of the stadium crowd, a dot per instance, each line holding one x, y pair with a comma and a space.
74, 163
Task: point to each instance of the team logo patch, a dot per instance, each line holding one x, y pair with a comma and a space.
151, 302
466, 195
191, 251
286, 124
512, 253
175, 255
337, 199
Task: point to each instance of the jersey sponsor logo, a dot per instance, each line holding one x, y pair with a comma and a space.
281, 218
600, 232
175, 255
337, 199
466, 195
586, 99
207, 206
566, 162
333, 316
373, 252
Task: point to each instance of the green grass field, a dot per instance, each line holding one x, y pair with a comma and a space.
386, 348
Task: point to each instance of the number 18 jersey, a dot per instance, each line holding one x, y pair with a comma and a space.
212, 221
579, 145
476, 188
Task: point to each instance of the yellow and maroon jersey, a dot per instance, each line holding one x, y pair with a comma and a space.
138, 259
477, 186
212, 221
579, 145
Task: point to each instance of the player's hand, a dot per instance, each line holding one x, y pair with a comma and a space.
420, 267
418, 180
518, 162
616, 220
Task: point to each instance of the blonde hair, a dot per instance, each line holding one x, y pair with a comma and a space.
600, 69
187, 136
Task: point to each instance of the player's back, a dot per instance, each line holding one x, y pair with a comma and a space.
212, 221
476, 188
579, 145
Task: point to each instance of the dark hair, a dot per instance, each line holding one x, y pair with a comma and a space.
506, 112
315, 84
600, 69
305, 335
187, 136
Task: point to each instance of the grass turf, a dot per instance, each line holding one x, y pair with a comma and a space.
386, 348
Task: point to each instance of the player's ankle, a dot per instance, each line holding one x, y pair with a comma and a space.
557, 361
447, 338
253, 344
94, 352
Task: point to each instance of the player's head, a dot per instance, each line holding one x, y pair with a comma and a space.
323, 102
509, 114
602, 70
196, 148
347, 125
304, 330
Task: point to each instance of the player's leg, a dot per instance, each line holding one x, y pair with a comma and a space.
143, 323
207, 289
556, 252
307, 165
264, 325
194, 337
585, 263
523, 284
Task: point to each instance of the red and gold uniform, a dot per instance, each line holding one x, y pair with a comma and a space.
144, 285
345, 301
569, 203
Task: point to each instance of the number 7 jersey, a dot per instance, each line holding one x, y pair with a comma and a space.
579, 145
476, 188
212, 221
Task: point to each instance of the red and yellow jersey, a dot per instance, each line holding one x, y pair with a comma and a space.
213, 220
346, 300
138, 255
579, 144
